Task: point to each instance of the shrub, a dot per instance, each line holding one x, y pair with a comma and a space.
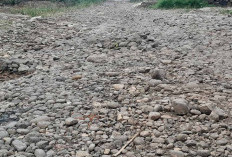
10, 2
38, 8
169, 4
83, 2
67, 2
136, 1
228, 12
39, 11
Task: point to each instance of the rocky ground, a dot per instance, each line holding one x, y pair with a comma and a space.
85, 82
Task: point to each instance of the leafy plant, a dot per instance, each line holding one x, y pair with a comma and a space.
169, 4
36, 11
44, 10
228, 12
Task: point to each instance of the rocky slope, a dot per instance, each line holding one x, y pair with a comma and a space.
100, 75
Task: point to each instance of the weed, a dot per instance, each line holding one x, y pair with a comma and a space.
227, 12
52, 9
172, 4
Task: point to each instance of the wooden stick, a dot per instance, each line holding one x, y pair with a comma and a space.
128, 142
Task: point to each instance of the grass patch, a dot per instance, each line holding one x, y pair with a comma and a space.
38, 11
227, 12
133, 1
175, 4
46, 10
78, 2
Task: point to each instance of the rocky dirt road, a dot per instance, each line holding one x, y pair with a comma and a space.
95, 77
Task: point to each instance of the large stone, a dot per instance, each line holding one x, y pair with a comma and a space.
112, 105
3, 65
139, 140
118, 86
181, 137
3, 133
97, 58
40, 118
203, 153
205, 109
33, 137
43, 124
176, 153
154, 115
40, 153
220, 113
71, 121
42, 144
23, 68
82, 154
19, 145
158, 74
180, 106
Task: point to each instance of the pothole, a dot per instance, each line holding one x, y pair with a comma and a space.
14, 68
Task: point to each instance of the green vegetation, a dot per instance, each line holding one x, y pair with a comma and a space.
135, 1
67, 2
173, 4
78, 2
37, 11
228, 12
10, 2
56, 6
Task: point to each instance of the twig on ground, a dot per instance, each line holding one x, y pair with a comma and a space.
127, 143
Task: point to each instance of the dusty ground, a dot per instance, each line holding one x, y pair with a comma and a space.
102, 74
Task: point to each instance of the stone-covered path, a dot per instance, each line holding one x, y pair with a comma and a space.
97, 76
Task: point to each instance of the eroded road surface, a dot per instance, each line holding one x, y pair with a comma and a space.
93, 78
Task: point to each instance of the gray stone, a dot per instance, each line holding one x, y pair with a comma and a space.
94, 127
220, 113
43, 124
112, 105
158, 74
205, 109
139, 140
40, 153
3, 133
181, 137
23, 131
19, 145
180, 106
195, 112
91, 147
71, 121
82, 154
50, 153
154, 115
33, 137
154, 82
222, 141
40, 118
42, 144
214, 116
3, 152
23, 68
203, 153
176, 153
97, 58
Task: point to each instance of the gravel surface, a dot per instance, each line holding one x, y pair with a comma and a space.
100, 75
